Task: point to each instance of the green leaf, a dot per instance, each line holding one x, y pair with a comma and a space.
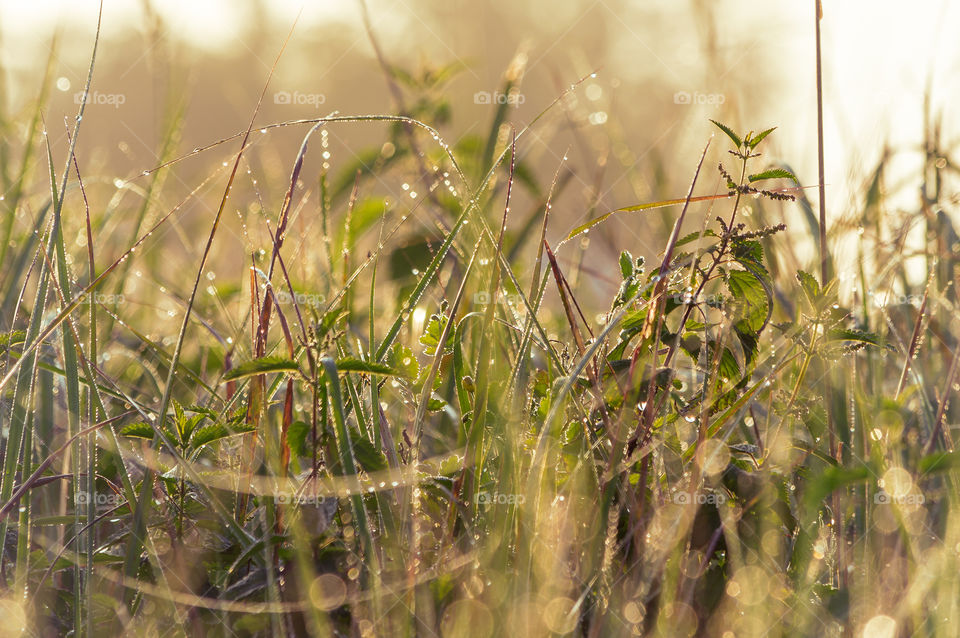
752, 142
215, 432
179, 417
726, 129
199, 409
262, 365
750, 256
209, 434
430, 338
367, 455
628, 289
750, 343
811, 288
297, 437
939, 462
425, 280
729, 368
402, 359
749, 253
351, 364
626, 264
8, 339
140, 430
829, 480
752, 306
189, 426
773, 173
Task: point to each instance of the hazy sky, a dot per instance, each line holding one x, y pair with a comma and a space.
880, 55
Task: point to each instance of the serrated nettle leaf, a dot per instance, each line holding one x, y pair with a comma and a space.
430, 338
199, 409
572, 432
750, 250
209, 434
189, 426
750, 300
691, 343
773, 173
402, 359
750, 343
633, 319
749, 254
626, 264
811, 288
726, 129
263, 365
367, 455
437, 380
729, 369
179, 417
297, 435
140, 430
241, 428
753, 141
758, 270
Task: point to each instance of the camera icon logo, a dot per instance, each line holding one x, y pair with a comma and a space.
681, 97
482, 97
282, 97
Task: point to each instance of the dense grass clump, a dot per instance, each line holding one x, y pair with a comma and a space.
393, 416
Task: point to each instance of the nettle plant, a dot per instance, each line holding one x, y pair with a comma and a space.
709, 303
709, 300
693, 395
